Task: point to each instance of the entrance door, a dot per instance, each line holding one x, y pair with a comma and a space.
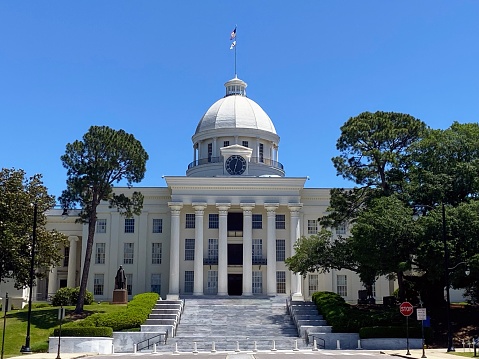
235, 254
235, 284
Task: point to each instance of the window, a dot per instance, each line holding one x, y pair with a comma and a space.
189, 249
101, 225
189, 280
257, 221
157, 225
281, 282
341, 229
156, 253
98, 284
261, 152
213, 221
128, 253
312, 226
257, 282
280, 250
213, 248
100, 253
257, 249
245, 143
129, 225
190, 220
66, 256
342, 285
155, 283
313, 284
212, 282
129, 281
210, 151
280, 221
226, 143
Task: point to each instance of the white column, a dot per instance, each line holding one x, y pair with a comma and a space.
271, 248
174, 291
247, 248
52, 282
214, 154
194, 154
140, 279
223, 248
293, 237
72, 262
198, 264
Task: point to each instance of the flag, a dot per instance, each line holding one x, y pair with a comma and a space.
233, 34
233, 44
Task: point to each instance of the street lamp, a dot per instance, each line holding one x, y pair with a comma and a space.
26, 348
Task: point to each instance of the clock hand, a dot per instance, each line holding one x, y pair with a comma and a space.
236, 165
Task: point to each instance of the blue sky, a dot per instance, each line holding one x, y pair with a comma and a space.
153, 68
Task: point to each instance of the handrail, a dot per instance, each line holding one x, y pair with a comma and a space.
261, 160
321, 346
165, 334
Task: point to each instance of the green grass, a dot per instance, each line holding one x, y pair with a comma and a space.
43, 321
465, 354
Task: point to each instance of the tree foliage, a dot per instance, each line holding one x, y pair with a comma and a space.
18, 196
104, 157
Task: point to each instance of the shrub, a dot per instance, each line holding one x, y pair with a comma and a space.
84, 332
69, 296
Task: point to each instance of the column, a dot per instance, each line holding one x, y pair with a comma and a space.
247, 248
174, 291
214, 154
271, 248
198, 264
223, 248
140, 281
293, 237
194, 154
72, 262
52, 281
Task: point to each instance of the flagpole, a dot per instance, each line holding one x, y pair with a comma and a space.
235, 55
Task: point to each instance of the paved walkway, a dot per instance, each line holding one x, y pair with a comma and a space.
415, 354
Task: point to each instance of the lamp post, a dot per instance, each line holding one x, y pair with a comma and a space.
26, 348
450, 346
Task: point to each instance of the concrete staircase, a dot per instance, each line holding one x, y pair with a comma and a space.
234, 324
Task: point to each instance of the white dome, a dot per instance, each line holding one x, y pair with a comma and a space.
235, 111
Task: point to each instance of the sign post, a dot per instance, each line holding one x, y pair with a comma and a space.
406, 309
422, 316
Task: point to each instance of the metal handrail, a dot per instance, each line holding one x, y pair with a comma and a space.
320, 346
153, 342
260, 160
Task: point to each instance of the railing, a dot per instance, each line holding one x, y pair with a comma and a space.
210, 261
320, 342
260, 160
260, 261
150, 341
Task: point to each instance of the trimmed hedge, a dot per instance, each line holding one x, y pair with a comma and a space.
345, 318
135, 314
84, 332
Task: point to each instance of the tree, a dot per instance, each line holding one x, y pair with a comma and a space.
18, 197
94, 165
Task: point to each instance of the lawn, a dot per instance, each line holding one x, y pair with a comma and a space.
43, 321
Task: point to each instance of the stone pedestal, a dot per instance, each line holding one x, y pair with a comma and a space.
120, 296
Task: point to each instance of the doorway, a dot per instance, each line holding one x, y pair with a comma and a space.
235, 284
235, 254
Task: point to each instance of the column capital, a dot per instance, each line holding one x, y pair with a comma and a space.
247, 208
73, 238
199, 207
271, 207
295, 208
175, 207
223, 207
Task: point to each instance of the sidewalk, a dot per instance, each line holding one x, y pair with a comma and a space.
430, 353
53, 355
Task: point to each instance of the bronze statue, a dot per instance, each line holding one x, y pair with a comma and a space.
120, 279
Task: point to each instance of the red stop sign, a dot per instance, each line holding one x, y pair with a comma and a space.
406, 309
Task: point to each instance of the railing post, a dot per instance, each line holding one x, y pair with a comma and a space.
134, 348
273, 349
154, 348
255, 348
315, 347
295, 349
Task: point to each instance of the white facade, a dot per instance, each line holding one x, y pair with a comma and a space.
223, 229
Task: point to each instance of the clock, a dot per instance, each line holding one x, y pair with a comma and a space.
235, 165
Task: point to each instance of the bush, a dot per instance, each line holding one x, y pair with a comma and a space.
69, 296
134, 315
84, 332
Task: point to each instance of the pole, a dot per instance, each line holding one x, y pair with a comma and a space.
407, 335
236, 74
450, 346
26, 348
60, 315
4, 321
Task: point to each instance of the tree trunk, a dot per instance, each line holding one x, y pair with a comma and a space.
86, 264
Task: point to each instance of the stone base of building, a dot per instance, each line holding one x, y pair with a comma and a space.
120, 296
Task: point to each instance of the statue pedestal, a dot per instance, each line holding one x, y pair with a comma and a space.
120, 296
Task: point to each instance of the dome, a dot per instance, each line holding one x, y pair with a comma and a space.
235, 111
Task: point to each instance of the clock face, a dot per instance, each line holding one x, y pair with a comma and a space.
235, 165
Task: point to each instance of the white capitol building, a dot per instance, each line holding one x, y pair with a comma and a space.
223, 229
